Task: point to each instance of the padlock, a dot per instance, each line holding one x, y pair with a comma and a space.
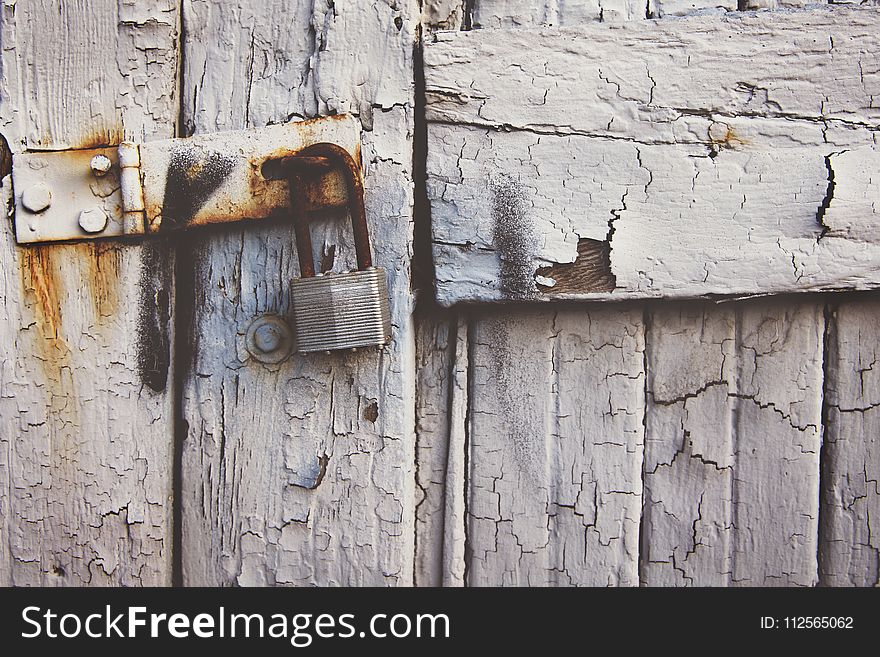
337, 311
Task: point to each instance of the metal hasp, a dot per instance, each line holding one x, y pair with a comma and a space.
150, 188
337, 311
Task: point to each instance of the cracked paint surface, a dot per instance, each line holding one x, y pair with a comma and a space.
715, 165
850, 554
733, 431
555, 449
301, 473
85, 423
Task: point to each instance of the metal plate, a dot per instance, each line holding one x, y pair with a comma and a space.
218, 177
205, 179
73, 188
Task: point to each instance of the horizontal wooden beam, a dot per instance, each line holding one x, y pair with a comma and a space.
729, 156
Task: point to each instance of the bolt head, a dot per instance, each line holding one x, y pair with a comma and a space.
93, 220
37, 198
100, 165
267, 338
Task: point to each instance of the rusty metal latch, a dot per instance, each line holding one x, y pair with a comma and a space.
156, 187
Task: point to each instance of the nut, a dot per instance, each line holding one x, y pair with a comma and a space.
100, 165
37, 198
269, 339
93, 219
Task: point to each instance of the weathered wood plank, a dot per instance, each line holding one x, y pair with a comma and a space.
435, 358
849, 553
441, 414
301, 473
533, 13
732, 444
708, 168
555, 448
86, 417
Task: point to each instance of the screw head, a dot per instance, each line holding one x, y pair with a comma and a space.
100, 165
269, 339
37, 198
93, 219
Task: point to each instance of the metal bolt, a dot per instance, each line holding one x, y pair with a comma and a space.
93, 219
100, 165
269, 339
37, 198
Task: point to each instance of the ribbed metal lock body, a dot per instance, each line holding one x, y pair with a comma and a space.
341, 311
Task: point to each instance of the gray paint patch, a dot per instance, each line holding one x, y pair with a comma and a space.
514, 238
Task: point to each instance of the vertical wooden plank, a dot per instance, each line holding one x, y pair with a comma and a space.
456, 490
587, 532
85, 404
687, 515
732, 444
301, 473
555, 454
435, 358
441, 413
849, 553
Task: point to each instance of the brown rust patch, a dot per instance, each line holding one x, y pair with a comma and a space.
723, 137
110, 135
41, 280
321, 186
42, 285
590, 272
103, 278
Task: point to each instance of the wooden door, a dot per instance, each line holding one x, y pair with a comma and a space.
577, 151
559, 437
140, 443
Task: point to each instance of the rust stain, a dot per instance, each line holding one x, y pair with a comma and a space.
322, 186
41, 280
102, 262
721, 137
590, 272
107, 136
43, 289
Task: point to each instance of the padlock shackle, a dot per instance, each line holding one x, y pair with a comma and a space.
341, 160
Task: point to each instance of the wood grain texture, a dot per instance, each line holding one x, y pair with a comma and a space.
554, 455
732, 444
85, 407
301, 473
708, 167
850, 551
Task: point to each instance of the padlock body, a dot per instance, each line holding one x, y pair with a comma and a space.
341, 311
